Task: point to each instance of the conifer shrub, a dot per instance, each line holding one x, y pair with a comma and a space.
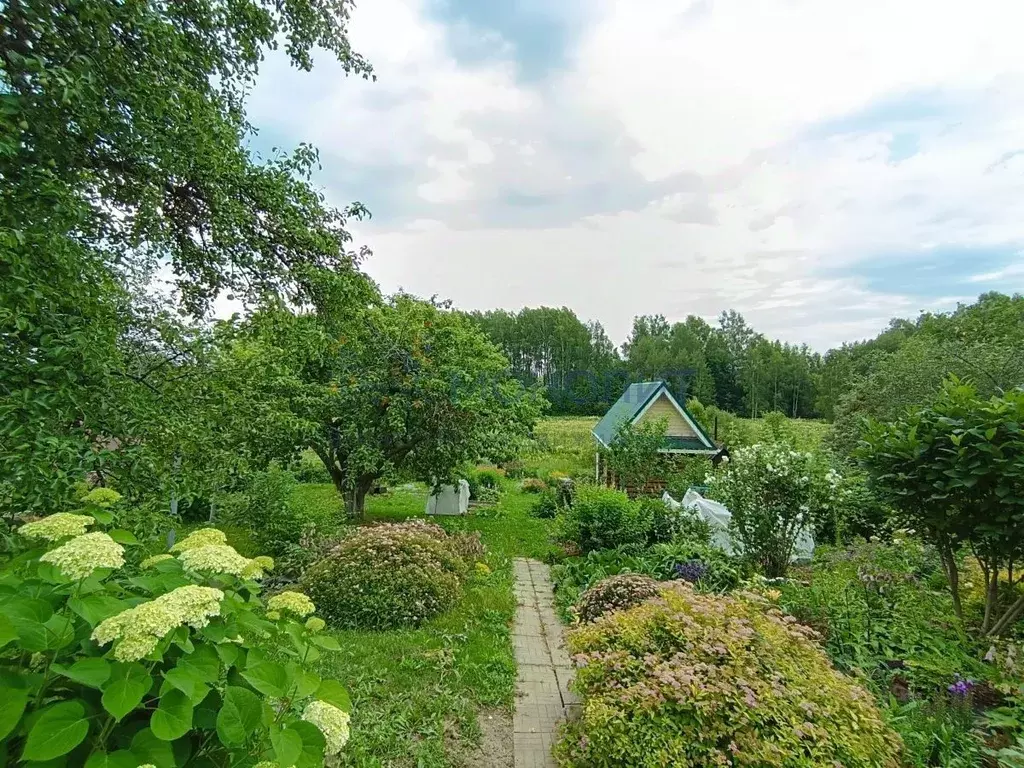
694, 679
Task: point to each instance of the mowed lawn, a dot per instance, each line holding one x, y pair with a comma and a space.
424, 697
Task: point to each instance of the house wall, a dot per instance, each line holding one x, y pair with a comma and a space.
662, 408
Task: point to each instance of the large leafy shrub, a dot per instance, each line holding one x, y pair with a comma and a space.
601, 518
265, 509
108, 662
615, 593
774, 493
955, 472
389, 575
693, 679
635, 455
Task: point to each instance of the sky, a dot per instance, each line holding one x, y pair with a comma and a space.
821, 166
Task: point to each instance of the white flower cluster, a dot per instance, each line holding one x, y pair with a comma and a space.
207, 550
331, 721
62, 525
84, 554
139, 629
295, 602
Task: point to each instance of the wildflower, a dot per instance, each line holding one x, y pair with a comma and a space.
139, 629
296, 602
216, 558
62, 525
84, 554
315, 624
331, 721
692, 571
201, 538
960, 687
149, 562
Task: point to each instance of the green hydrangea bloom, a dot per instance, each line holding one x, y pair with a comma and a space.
332, 722
296, 602
62, 525
202, 538
84, 554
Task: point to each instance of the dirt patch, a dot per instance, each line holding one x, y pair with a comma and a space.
495, 749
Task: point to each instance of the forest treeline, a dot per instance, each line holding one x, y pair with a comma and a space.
732, 366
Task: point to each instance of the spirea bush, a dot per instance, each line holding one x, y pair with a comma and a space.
106, 661
392, 575
774, 494
692, 679
616, 593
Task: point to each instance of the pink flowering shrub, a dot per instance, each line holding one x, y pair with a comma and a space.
392, 575
615, 593
701, 680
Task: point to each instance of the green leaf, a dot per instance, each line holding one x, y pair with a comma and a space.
205, 715
7, 632
287, 745
124, 691
121, 536
267, 677
334, 693
93, 672
12, 706
326, 642
122, 758
313, 744
306, 682
96, 608
147, 748
228, 653
239, 716
203, 663
188, 682
60, 728
173, 717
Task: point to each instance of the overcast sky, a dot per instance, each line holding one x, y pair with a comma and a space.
818, 165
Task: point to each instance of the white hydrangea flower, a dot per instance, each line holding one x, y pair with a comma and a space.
202, 538
139, 629
84, 554
62, 525
257, 566
315, 624
296, 602
332, 722
215, 558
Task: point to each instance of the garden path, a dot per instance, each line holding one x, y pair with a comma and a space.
542, 694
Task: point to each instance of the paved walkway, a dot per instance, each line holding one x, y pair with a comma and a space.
542, 695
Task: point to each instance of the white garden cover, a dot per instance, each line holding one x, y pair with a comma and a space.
718, 517
448, 501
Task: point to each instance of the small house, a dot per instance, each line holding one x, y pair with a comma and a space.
650, 401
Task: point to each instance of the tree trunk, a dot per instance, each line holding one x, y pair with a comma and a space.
356, 501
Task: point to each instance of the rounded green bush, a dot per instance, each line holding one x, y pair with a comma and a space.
693, 679
601, 518
615, 593
388, 576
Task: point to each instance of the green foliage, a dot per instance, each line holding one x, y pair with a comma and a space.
266, 509
546, 505
574, 575
309, 469
123, 150
489, 478
774, 493
635, 455
601, 518
379, 387
390, 575
615, 593
955, 472
107, 662
702, 680
533, 485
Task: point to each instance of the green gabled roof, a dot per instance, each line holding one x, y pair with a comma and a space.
633, 402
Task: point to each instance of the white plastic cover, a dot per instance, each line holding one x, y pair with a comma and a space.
448, 501
718, 517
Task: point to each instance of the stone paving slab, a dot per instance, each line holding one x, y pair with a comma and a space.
542, 694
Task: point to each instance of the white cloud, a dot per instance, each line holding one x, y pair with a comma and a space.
682, 162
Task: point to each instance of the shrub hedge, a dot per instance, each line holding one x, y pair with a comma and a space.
692, 679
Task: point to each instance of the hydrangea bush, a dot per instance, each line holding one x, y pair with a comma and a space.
693, 679
774, 493
615, 593
107, 662
391, 575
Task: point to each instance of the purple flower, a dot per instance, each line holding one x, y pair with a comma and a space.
960, 686
692, 571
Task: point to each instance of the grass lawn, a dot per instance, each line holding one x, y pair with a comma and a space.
424, 697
